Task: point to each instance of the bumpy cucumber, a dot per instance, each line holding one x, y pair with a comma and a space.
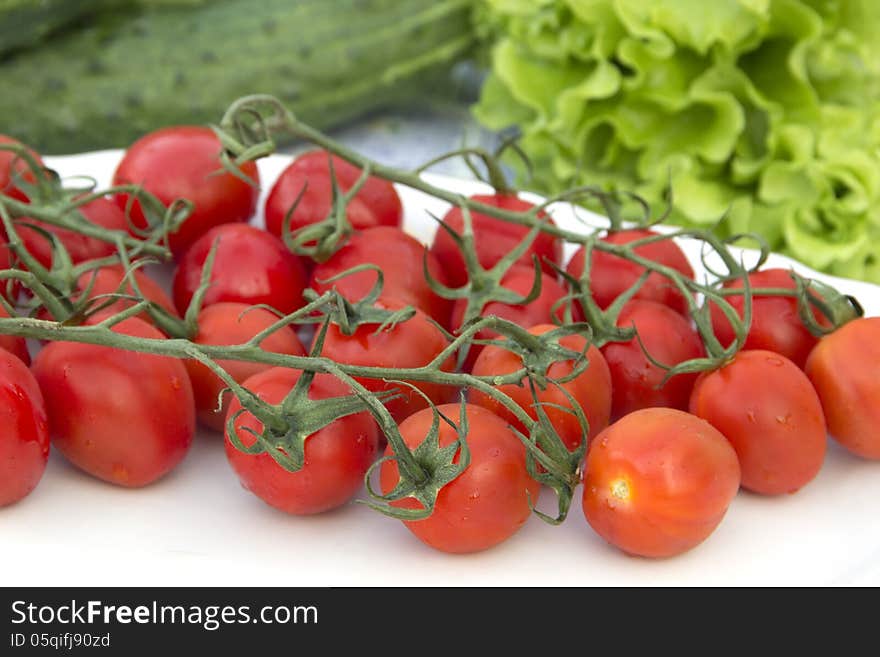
27, 22
105, 84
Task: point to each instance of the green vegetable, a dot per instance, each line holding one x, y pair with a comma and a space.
184, 62
764, 114
27, 22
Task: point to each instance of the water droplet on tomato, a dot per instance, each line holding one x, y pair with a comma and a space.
775, 361
175, 383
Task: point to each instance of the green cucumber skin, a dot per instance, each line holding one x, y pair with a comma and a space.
330, 60
26, 23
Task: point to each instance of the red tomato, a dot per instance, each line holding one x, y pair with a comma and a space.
24, 437
401, 258
376, 204
658, 482
251, 266
10, 289
123, 417
591, 388
183, 162
765, 406
12, 166
670, 339
107, 280
488, 502
102, 212
232, 324
611, 276
776, 325
845, 369
493, 238
336, 457
412, 343
13, 344
540, 311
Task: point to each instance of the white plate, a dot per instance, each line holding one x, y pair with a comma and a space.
199, 527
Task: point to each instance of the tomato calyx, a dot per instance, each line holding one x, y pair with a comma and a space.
348, 315
288, 424
483, 285
548, 459
423, 471
321, 239
836, 308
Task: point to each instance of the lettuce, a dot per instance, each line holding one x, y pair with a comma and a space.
763, 114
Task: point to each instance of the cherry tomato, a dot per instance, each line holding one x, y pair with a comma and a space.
493, 238
376, 204
670, 339
102, 212
336, 457
13, 344
10, 289
765, 406
540, 311
658, 481
11, 167
591, 389
183, 162
231, 324
24, 430
400, 257
127, 418
611, 276
251, 266
488, 502
107, 280
412, 343
776, 325
845, 370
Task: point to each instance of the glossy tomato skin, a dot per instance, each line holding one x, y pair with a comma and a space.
376, 204
413, 343
183, 162
400, 257
540, 311
768, 410
670, 339
9, 289
24, 430
12, 166
13, 344
591, 388
336, 457
776, 324
251, 266
231, 324
845, 370
107, 280
125, 418
487, 503
493, 238
101, 212
611, 276
658, 481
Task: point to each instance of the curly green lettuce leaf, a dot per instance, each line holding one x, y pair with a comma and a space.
763, 115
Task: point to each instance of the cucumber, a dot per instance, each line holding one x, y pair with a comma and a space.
27, 22
130, 72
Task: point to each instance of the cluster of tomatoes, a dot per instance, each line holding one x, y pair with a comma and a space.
665, 457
